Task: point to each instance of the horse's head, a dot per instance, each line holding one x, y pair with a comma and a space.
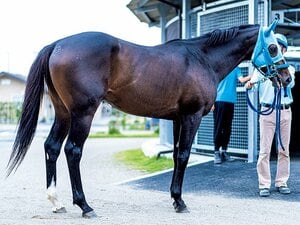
268, 58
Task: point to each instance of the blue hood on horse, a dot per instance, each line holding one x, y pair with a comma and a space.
261, 56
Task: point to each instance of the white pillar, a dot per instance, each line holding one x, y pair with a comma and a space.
165, 126
252, 116
186, 24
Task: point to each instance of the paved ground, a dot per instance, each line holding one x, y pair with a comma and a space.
236, 179
147, 201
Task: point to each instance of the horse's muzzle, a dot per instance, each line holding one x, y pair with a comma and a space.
284, 79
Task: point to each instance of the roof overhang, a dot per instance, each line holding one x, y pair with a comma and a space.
285, 4
151, 12
291, 31
18, 77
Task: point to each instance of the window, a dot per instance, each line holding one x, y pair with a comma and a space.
5, 82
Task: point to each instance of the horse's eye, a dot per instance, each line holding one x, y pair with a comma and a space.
264, 69
273, 50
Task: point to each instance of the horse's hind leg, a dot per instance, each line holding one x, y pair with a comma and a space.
52, 146
80, 127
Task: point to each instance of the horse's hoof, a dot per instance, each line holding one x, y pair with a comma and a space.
180, 207
59, 210
182, 210
89, 215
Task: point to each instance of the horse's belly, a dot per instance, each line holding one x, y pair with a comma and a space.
138, 104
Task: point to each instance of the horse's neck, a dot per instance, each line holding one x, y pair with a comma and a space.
225, 59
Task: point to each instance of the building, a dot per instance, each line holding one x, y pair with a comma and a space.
12, 89
192, 18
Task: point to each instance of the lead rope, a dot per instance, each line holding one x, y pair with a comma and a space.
276, 104
268, 111
278, 119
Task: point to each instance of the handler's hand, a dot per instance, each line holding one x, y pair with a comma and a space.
248, 85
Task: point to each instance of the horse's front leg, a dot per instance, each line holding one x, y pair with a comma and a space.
184, 134
79, 130
52, 150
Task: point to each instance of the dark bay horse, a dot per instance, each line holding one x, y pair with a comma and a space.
175, 81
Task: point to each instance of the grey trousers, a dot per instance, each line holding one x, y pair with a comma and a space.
267, 131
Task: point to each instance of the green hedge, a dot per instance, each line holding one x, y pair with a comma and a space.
10, 112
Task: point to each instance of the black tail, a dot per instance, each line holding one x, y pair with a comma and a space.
30, 108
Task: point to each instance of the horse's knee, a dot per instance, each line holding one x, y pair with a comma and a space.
72, 151
52, 150
183, 157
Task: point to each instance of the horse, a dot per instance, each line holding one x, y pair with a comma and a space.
175, 81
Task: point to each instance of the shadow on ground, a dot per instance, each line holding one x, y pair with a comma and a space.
233, 179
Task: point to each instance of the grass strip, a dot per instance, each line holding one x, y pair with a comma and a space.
102, 135
135, 159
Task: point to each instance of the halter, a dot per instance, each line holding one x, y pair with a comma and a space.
261, 58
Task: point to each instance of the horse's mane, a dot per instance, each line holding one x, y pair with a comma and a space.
218, 36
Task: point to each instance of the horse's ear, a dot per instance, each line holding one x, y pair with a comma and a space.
271, 27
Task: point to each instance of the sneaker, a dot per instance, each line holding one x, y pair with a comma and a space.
264, 192
218, 159
283, 190
226, 157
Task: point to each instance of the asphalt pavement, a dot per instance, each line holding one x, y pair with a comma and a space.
237, 179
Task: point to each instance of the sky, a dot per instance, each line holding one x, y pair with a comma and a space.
26, 26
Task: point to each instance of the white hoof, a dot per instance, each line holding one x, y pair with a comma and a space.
59, 210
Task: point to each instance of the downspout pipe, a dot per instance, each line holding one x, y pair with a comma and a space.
178, 11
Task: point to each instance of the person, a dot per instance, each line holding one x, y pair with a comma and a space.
223, 111
267, 125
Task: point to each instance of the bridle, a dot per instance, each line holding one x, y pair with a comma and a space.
266, 64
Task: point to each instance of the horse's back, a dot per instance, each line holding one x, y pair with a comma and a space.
75, 47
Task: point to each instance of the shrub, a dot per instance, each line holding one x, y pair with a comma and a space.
113, 128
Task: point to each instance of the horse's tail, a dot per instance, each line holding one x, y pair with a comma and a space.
31, 106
